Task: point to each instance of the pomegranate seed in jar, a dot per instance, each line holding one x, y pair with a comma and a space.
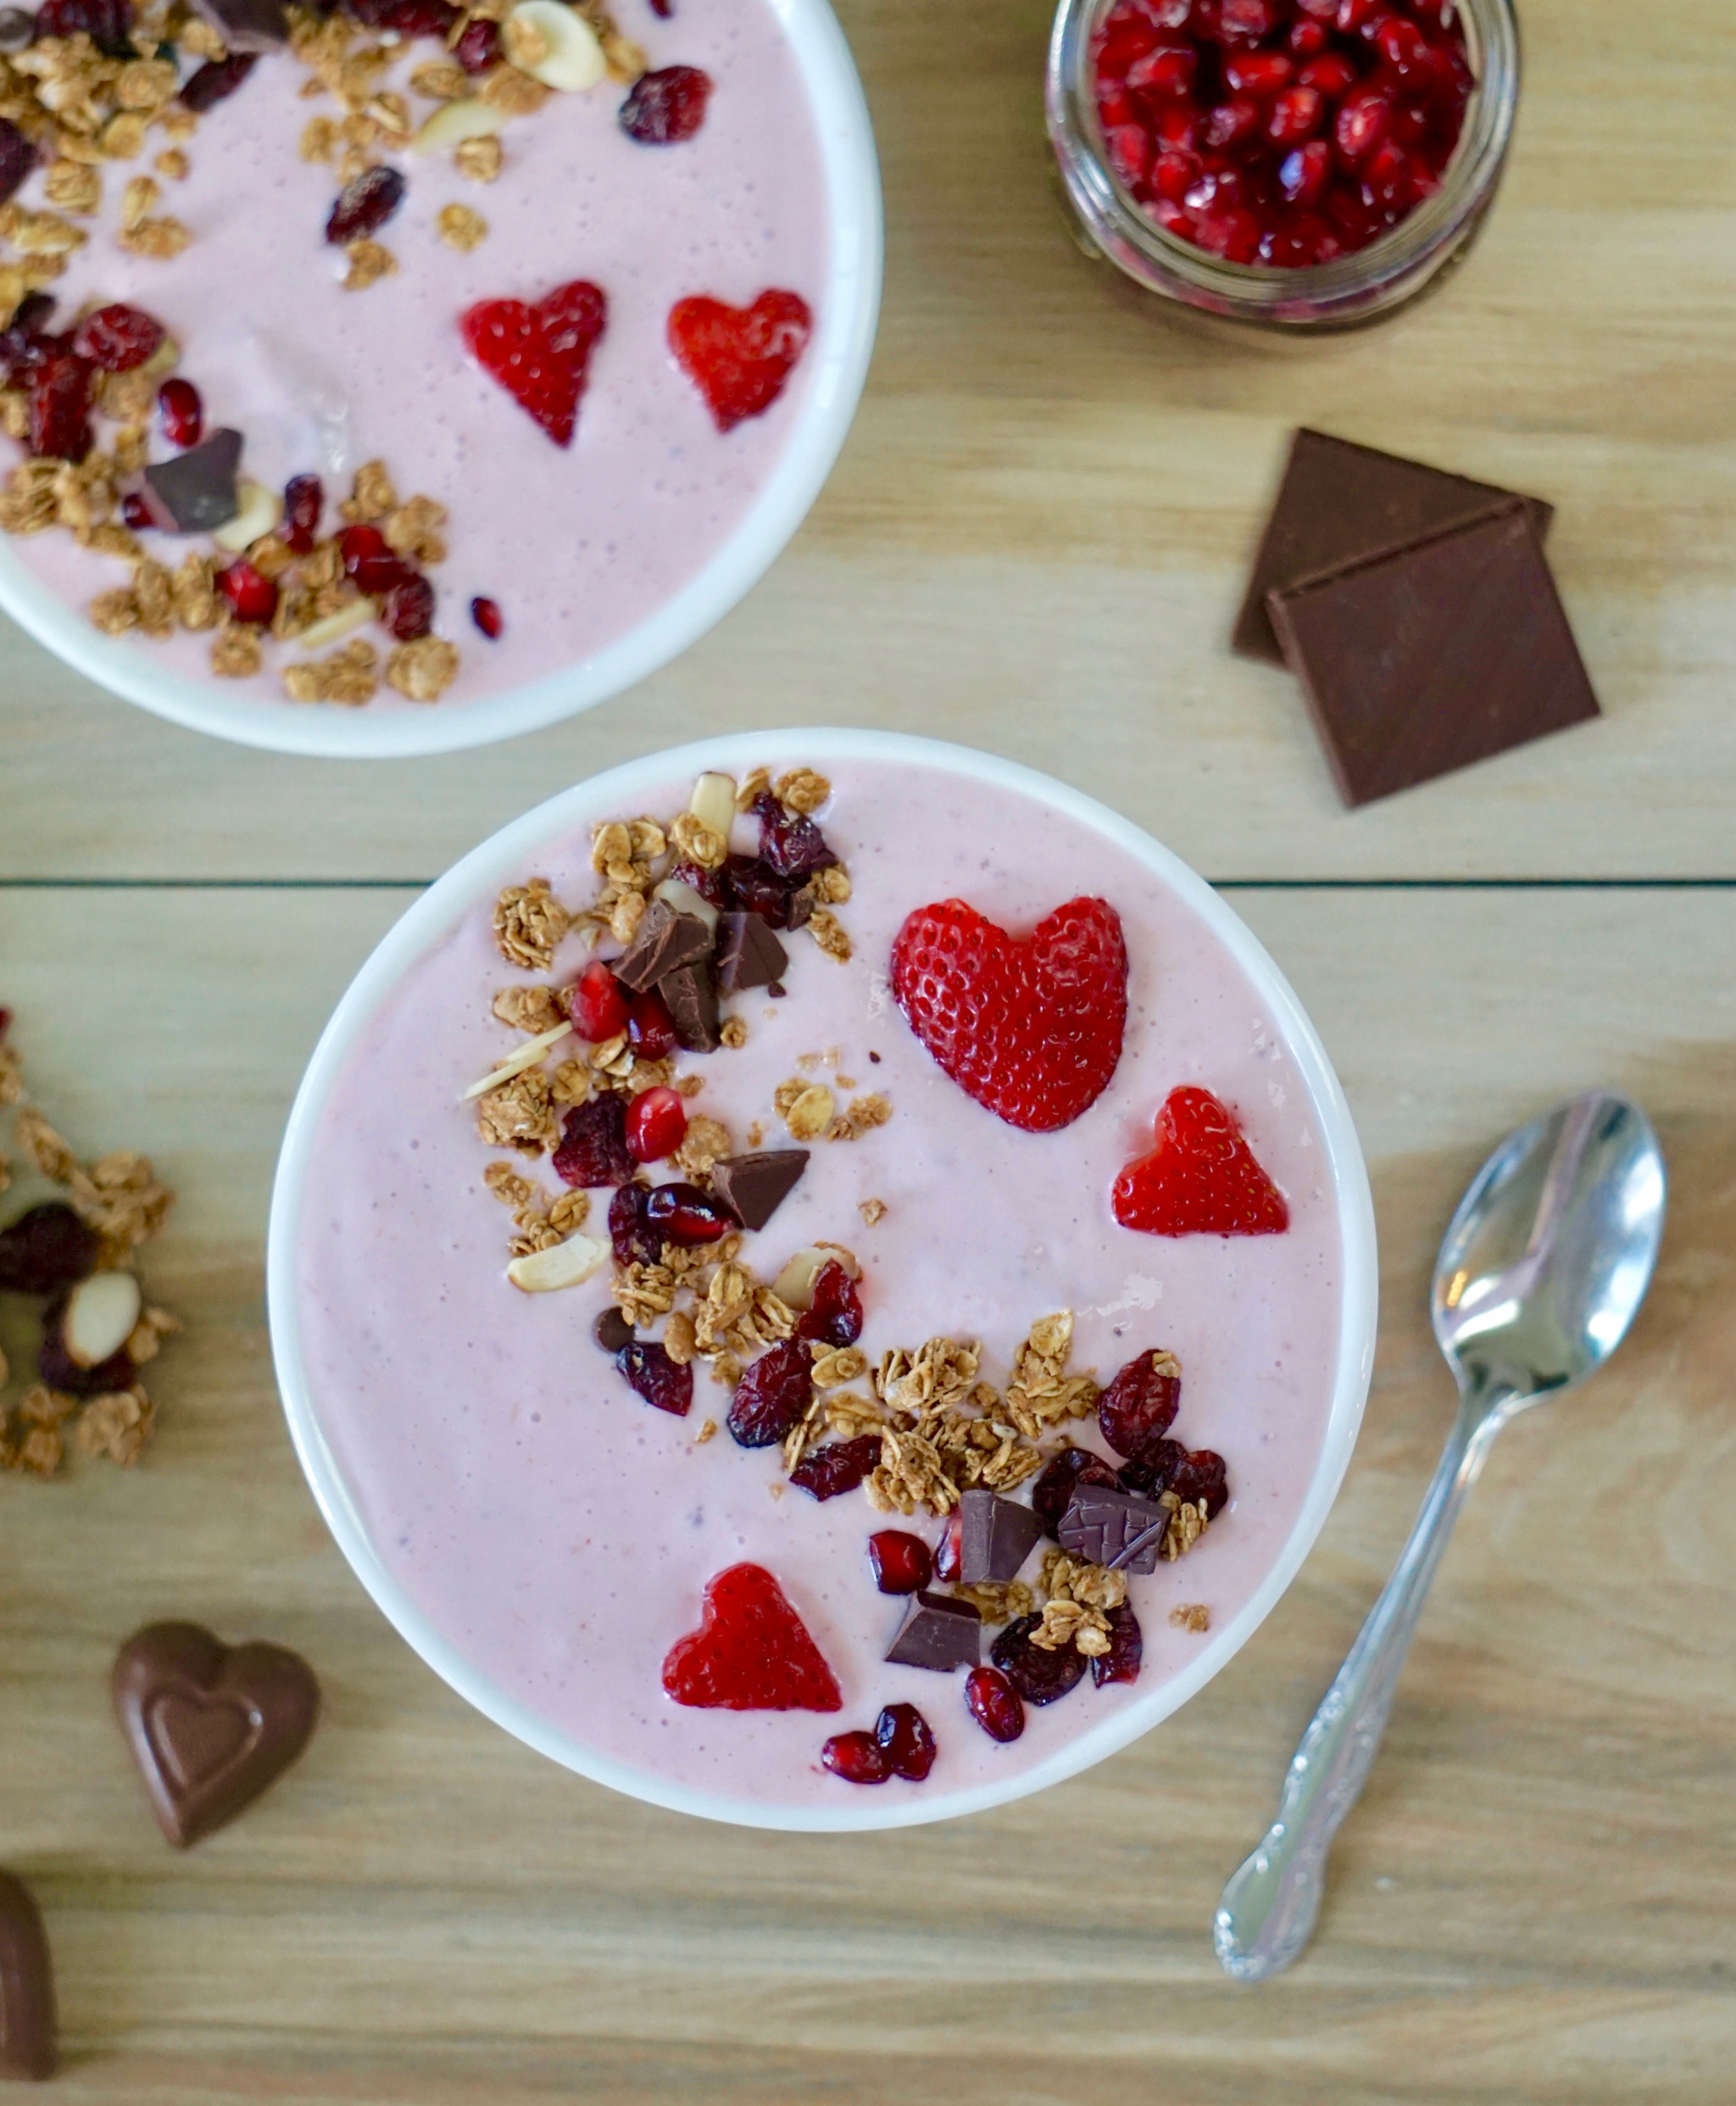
1307, 39
1295, 116
598, 1004
253, 597
858, 1758
1303, 175
1165, 73
1257, 72
1129, 151
1361, 124
182, 414
657, 1125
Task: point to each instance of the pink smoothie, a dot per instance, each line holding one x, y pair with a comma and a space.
559, 1532
576, 546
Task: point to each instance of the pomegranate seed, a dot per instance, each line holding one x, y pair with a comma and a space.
408, 608
903, 1564
1405, 48
216, 81
662, 9
1323, 11
1257, 73
60, 407
1140, 1404
1166, 72
60, 1371
1122, 44
993, 1703
683, 1215
1129, 151
772, 1395
364, 204
1387, 175
368, 558
1303, 175
1360, 124
598, 1004
117, 338
1171, 174
858, 1758
1114, 106
1040, 1676
478, 50
303, 500
107, 23
1353, 15
135, 513
835, 1317
907, 1741
825, 1472
182, 414
45, 1249
1178, 128
666, 107
632, 1241
657, 1125
1249, 18
658, 1379
1234, 235
592, 1151
650, 1027
254, 598
1296, 114
484, 612
17, 157
1332, 75
949, 1551
1307, 39
1231, 121
1127, 1647
1053, 1492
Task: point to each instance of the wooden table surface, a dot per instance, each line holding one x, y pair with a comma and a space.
1033, 541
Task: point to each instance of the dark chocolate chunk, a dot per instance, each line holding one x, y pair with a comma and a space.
247, 24
195, 491
748, 953
754, 1187
1340, 503
664, 941
1116, 1529
612, 1330
27, 2028
1436, 655
210, 1726
997, 1537
940, 1632
692, 1003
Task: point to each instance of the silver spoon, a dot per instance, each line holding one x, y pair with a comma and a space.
1547, 1259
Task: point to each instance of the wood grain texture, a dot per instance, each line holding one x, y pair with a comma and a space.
1036, 537
1530, 1908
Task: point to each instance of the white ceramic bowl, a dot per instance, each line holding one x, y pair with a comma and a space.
849, 309
503, 859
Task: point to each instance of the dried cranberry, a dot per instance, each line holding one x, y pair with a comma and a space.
60, 407
593, 1150
903, 1562
1040, 1676
135, 513
597, 1005
60, 1371
304, 501
253, 597
657, 1125
772, 1395
858, 1758
45, 1249
1149, 1472
650, 1027
907, 1741
216, 81
949, 1551
368, 558
478, 48
1140, 1404
632, 1241
759, 890
662, 9
711, 885
420, 17
105, 22
364, 204
789, 842
657, 1378
1121, 1663
667, 106
993, 1703
408, 608
17, 157
1053, 1492
24, 342
181, 411
836, 1317
484, 612
840, 1467
1193, 1475
682, 1214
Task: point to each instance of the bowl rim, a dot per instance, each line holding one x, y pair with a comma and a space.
502, 858
844, 345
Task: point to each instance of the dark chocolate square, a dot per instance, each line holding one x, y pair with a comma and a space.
1340, 503
1429, 657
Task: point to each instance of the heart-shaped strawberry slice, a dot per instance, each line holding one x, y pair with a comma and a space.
1029, 1027
751, 1652
740, 358
1201, 1179
540, 354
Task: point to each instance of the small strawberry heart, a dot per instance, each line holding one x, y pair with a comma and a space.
1201, 1179
1030, 1027
540, 354
740, 358
751, 1652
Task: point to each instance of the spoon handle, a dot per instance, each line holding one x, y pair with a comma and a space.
1267, 1912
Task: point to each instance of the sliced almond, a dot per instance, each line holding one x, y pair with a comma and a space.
527, 1056
259, 513
554, 45
713, 803
794, 1285
562, 1264
684, 899
99, 1318
453, 123
356, 616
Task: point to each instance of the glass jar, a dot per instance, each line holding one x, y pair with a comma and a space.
1349, 293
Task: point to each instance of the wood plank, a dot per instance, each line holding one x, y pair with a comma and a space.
1530, 1908
1036, 536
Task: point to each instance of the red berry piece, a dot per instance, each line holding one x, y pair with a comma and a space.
836, 1317
662, 9
1140, 1404
478, 50
1040, 1676
949, 1551
216, 81
751, 1652
757, 888
1332, 74
1127, 1648
17, 157
1248, 19
60, 407
683, 1215
657, 1125
1165, 73
304, 501
1307, 40
598, 1004
1361, 124
903, 1562
1198, 1475
540, 354
253, 597
791, 845
993, 1703
116, 338
1029, 1027
1303, 175
629, 1233
1129, 150
1295, 116
485, 613
650, 1027
858, 1758
135, 513
827, 1472
1053, 1492
666, 107
711, 885
364, 204
45, 1249
656, 1378
740, 359
906, 1740
1201, 1179
408, 608
367, 557
107, 23
772, 1395
593, 1150
182, 413
1257, 72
